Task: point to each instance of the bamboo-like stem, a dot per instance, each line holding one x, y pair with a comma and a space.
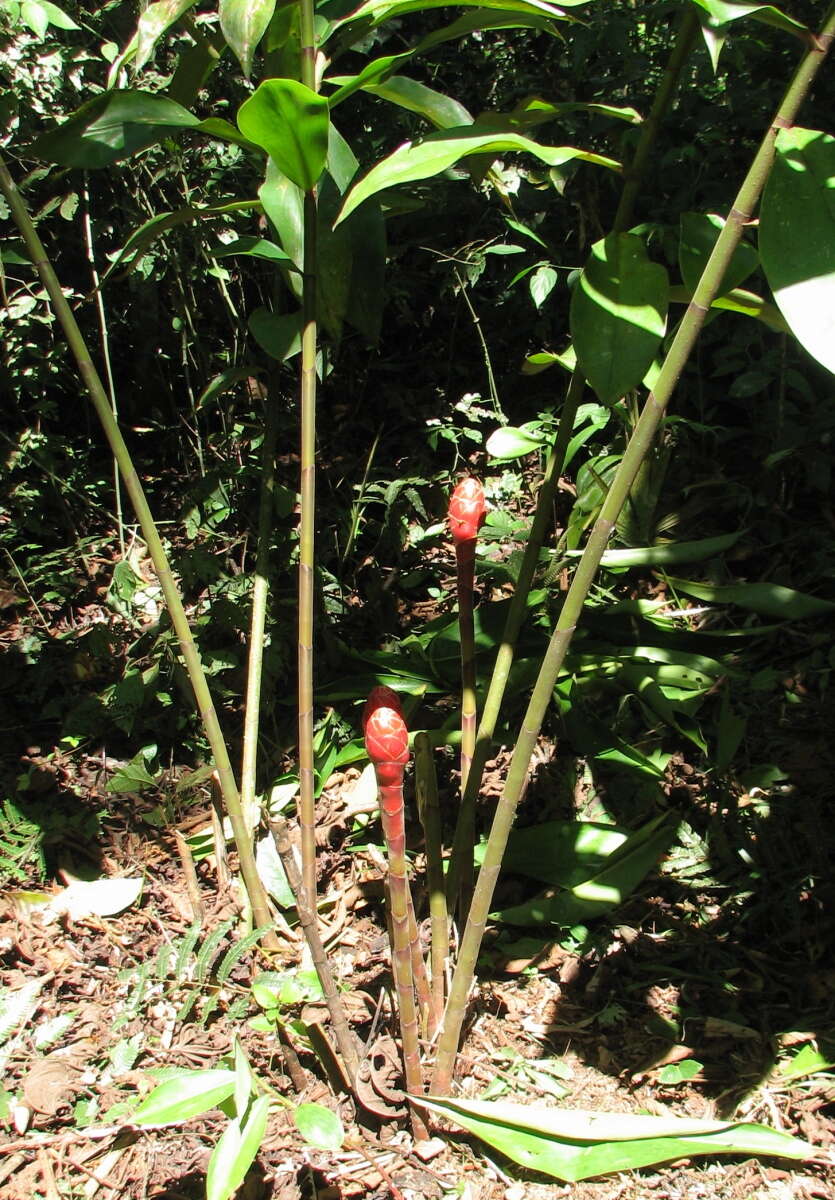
429, 811
345, 1039
633, 175
260, 592
174, 604
105, 351
465, 562
637, 448
307, 799
635, 170
419, 973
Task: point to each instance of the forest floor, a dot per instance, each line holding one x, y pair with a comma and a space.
111, 998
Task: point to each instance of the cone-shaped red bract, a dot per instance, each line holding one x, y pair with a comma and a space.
380, 697
467, 510
387, 744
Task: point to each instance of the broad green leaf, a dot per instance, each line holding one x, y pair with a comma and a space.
576, 1145
110, 127
184, 1097
243, 24
278, 336
272, 873
132, 777
542, 283
481, 19
741, 301
767, 599
152, 25
319, 1126
290, 122
94, 897
608, 887
147, 233
618, 315
797, 237
38, 15
374, 12
699, 232
444, 112
257, 248
508, 442
543, 359
440, 151
667, 554
235, 1152
283, 203
535, 111
721, 12
564, 853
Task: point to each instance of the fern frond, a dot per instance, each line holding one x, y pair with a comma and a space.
209, 949
185, 951
237, 950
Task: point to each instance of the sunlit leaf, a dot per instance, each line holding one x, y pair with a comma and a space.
438, 152
767, 599
290, 122
618, 314
721, 12
243, 23
152, 25
507, 442
235, 1152
110, 127
797, 237
319, 1126
187, 1095
573, 1145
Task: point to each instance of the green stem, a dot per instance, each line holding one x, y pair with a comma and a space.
419, 974
633, 175
307, 800
429, 811
637, 448
392, 812
465, 561
260, 591
174, 604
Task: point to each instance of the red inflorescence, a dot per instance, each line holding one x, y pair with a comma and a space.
380, 697
467, 509
387, 744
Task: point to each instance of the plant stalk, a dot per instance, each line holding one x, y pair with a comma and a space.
260, 592
345, 1039
429, 811
174, 604
637, 448
307, 799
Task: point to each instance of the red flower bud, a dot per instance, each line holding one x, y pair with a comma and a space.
387, 740
467, 510
380, 697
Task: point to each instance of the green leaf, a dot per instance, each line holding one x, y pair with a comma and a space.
721, 12
668, 553
374, 12
680, 1072
243, 24
290, 122
542, 283
152, 25
444, 112
699, 232
111, 127
278, 336
257, 248
235, 1152
185, 1096
272, 873
616, 878
797, 237
440, 151
741, 301
618, 315
150, 230
508, 442
560, 852
481, 19
573, 1145
319, 1126
132, 777
766, 599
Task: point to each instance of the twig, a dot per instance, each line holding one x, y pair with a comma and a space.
345, 1039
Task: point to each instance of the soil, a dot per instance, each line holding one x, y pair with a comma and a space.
602, 1013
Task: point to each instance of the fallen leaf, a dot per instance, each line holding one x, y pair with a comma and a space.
98, 898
